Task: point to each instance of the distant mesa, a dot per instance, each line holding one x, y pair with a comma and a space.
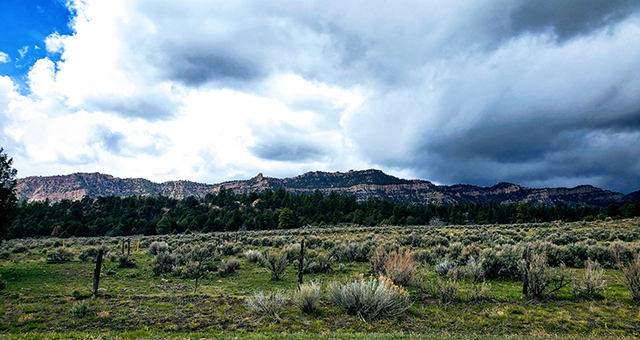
361, 183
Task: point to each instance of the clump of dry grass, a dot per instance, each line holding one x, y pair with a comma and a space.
400, 267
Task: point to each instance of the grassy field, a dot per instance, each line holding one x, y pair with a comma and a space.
53, 300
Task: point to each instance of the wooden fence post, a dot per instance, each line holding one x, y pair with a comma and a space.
525, 270
301, 264
96, 272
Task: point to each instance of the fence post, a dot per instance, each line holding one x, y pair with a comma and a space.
525, 270
301, 264
96, 272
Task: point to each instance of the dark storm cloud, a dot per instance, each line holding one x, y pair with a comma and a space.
198, 69
286, 143
602, 160
152, 107
287, 152
568, 18
510, 144
530, 111
537, 155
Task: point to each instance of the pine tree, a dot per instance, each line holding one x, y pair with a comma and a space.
287, 219
8, 199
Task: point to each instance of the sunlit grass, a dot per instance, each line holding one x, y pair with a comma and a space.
38, 300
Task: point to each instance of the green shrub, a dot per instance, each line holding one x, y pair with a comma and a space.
3, 283
268, 305
424, 256
620, 252
229, 248
443, 268
501, 262
292, 252
455, 251
456, 274
475, 270
480, 292
229, 266
80, 310
446, 291
539, 278
592, 282
307, 298
355, 252
631, 273
59, 256
369, 298
321, 263
19, 248
468, 252
254, 256
164, 263
125, 261
88, 254
276, 263
158, 247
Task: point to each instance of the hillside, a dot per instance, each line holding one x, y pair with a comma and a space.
363, 184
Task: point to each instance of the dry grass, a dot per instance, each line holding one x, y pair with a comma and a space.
400, 267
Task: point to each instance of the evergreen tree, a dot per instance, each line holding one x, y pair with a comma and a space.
287, 219
523, 213
8, 199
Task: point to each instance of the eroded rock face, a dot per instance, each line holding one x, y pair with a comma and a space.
362, 184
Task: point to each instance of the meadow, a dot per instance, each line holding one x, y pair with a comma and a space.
456, 282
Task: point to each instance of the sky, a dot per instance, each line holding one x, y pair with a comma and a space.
539, 93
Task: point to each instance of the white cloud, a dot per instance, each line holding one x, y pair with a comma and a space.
23, 51
450, 92
54, 43
4, 58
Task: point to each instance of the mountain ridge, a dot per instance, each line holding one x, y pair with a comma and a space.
361, 183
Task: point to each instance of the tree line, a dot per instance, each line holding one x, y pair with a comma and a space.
228, 211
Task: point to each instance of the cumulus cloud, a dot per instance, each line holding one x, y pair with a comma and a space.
454, 92
54, 43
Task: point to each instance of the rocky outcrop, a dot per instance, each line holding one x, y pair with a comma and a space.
362, 184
